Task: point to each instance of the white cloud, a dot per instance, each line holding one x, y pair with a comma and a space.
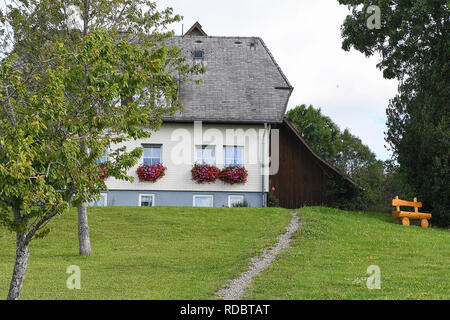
304, 37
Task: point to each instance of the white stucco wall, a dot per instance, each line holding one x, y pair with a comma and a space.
178, 142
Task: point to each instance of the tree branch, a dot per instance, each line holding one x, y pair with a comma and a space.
45, 175
38, 225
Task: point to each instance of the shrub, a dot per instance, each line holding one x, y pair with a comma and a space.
243, 204
272, 200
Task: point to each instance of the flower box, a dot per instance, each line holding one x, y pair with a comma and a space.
234, 175
203, 173
102, 174
151, 173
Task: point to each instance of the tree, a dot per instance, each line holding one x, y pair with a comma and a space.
320, 131
414, 46
66, 95
355, 160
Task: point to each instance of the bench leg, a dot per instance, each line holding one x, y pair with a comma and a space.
424, 223
405, 221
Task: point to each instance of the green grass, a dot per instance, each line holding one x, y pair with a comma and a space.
190, 253
330, 255
145, 253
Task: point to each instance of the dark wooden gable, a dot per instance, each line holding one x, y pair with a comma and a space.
196, 31
302, 179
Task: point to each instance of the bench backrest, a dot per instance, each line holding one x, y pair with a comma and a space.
397, 203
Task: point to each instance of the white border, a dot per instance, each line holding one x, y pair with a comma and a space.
147, 195
152, 145
234, 195
105, 198
104, 195
205, 146
237, 146
202, 196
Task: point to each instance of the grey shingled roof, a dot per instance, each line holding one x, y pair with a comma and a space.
243, 83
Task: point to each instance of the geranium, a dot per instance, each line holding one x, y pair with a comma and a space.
234, 174
102, 169
204, 173
151, 173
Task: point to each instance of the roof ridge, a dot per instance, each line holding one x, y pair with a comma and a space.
220, 37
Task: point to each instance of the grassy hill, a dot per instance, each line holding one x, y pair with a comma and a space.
189, 253
332, 251
145, 253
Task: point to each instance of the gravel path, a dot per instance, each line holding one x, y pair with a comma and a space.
238, 286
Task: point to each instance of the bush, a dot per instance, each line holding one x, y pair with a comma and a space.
243, 204
272, 200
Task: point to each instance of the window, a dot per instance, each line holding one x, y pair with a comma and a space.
234, 200
156, 95
198, 55
234, 156
204, 201
206, 155
139, 97
152, 154
104, 157
146, 200
101, 202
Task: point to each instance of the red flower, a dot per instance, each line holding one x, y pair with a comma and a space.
234, 174
102, 169
204, 173
151, 173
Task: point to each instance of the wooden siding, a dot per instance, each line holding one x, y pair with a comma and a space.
179, 155
302, 179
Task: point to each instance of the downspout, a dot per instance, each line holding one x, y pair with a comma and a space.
263, 162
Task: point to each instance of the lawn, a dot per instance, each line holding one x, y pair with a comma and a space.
145, 253
330, 255
190, 253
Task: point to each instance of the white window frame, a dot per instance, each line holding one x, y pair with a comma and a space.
106, 155
202, 196
105, 197
146, 146
105, 200
203, 147
236, 196
147, 195
234, 153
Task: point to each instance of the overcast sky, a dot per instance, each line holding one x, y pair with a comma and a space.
304, 37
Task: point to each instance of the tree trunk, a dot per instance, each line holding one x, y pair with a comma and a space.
20, 267
83, 231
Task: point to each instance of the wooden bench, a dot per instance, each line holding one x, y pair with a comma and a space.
403, 217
